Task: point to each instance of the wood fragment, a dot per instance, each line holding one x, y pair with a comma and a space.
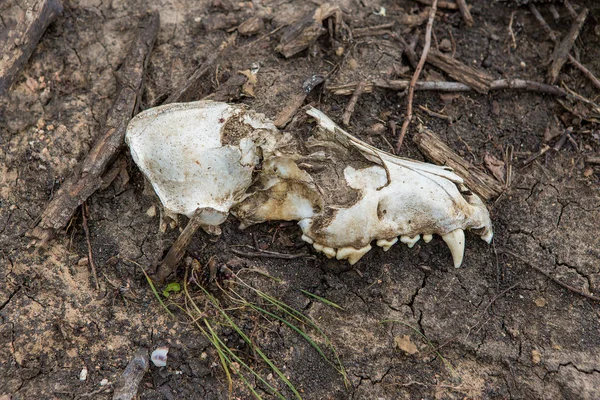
570, 8
464, 11
291, 108
22, 36
448, 5
415, 77
372, 30
352, 103
592, 160
588, 74
87, 177
437, 151
178, 248
476, 78
561, 51
127, 386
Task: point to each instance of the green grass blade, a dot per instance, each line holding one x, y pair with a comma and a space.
322, 299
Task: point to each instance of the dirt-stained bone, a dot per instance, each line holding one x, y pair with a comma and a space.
343, 192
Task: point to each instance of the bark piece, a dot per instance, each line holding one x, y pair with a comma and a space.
20, 38
436, 150
464, 11
87, 177
470, 76
561, 51
129, 382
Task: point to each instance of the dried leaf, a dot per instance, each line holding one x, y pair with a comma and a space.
405, 344
496, 167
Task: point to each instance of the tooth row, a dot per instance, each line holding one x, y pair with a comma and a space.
455, 241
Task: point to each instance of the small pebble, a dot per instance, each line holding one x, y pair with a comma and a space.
159, 356
83, 374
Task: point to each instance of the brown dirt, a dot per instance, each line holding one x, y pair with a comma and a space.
506, 330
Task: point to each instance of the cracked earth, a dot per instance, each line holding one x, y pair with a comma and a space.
495, 328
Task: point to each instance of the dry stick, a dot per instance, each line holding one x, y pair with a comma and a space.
448, 5
271, 254
372, 30
553, 37
177, 250
553, 279
129, 382
464, 11
87, 177
18, 42
86, 229
436, 150
352, 103
413, 81
561, 51
570, 8
443, 86
476, 78
592, 160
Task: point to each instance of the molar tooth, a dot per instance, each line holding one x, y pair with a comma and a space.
329, 252
488, 237
427, 238
386, 244
307, 239
352, 254
318, 247
456, 242
410, 241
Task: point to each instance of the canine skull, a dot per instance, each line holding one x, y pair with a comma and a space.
344, 193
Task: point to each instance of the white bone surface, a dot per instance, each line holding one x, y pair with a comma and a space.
343, 192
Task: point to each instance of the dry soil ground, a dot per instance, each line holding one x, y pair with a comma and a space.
499, 328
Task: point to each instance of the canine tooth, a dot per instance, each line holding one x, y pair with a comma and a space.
427, 238
352, 254
307, 239
329, 251
410, 241
456, 242
318, 247
386, 244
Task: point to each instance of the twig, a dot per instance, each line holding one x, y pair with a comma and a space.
84, 210
287, 113
372, 30
413, 81
270, 254
435, 114
464, 11
553, 279
448, 5
510, 30
553, 37
443, 86
536, 155
592, 160
87, 177
561, 51
18, 42
177, 250
127, 386
570, 8
352, 103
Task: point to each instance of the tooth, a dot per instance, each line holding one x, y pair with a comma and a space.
386, 243
307, 239
318, 247
410, 241
352, 254
329, 251
456, 242
488, 237
427, 238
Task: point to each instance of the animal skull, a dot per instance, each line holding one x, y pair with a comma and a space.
219, 158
